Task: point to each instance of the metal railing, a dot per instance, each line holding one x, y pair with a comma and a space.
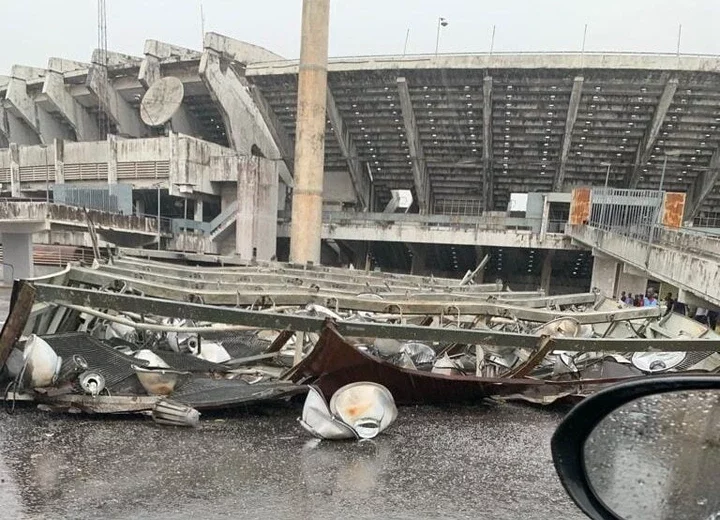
114, 198
633, 213
469, 207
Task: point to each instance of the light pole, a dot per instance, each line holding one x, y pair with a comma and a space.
607, 175
442, 22
158, 217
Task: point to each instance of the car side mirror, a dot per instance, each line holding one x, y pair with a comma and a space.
646, 449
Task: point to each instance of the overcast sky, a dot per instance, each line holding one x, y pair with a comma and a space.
33, 30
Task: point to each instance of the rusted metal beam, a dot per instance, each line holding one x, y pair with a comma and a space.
410, 306
21, 303
267, 280
272, 321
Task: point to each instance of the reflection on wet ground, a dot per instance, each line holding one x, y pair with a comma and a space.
482, 462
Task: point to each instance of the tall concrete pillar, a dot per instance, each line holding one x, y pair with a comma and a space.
14, 170
256, 221
546, 273
604, 275
306, 224
59, 149
17, 256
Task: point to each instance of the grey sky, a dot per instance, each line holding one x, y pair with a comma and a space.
33, 30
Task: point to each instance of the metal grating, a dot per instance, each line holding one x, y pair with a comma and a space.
114, 366
222, 393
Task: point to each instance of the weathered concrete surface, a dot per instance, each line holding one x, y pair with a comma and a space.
17, 256
482, 462
433, 229
694, 270
41, 212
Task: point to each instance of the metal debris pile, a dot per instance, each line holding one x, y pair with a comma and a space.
171, 340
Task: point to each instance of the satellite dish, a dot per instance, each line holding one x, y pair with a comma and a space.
161, 101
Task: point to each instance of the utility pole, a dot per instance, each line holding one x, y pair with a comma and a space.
306, 224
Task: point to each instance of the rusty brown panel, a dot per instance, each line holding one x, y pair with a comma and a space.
22, 301
673, 209
334, 362
580, 206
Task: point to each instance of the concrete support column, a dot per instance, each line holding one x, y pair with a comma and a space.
480, 253
17, 256
198, 216
59, 161
112, 159
604, 275
546, 273
306, 224
14, 170
631, 283
256, 222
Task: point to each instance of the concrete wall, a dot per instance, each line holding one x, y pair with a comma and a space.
697, 274
604, 275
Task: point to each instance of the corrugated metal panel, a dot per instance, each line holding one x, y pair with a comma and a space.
115, 198
4, 174
673, 210
580, 206
143, 170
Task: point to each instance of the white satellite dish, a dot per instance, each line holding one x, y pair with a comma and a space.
161, 101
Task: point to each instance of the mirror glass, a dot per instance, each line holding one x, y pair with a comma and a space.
659, 457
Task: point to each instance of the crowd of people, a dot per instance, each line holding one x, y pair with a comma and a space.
641, 300
649, 299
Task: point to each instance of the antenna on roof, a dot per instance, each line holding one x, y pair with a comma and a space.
102, 45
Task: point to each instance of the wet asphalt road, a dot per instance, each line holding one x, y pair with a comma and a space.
483, 462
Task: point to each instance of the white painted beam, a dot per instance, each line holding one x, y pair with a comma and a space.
648, 142
573, 106
360, 180
417, 156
